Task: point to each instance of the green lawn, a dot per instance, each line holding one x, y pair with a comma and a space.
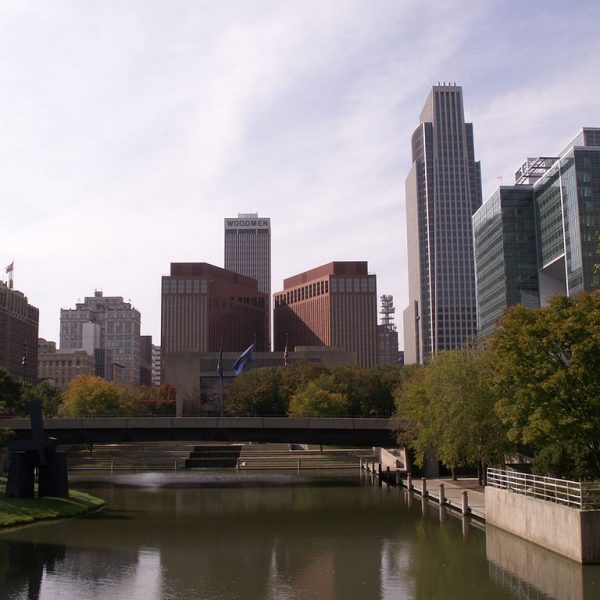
21, 511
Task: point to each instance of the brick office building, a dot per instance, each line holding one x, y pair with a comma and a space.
332, 305
19, 323
205, 308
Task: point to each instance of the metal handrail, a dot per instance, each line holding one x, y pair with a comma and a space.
584, 495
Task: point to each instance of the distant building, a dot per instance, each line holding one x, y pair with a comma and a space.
387, 334
19, 324
59, 368
204, 309
155, 365
146, 360
109, 324
538, 237
443, 190
331, 305
248, 251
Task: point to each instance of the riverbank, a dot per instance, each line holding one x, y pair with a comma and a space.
23, 511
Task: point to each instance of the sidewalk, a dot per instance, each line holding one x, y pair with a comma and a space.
454, 493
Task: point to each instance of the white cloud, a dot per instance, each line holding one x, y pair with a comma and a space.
129, 131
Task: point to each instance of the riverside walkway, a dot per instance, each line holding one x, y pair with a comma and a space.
453, 491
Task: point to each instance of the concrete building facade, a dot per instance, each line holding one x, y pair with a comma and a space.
443, 190
332, 305
198, 385
19, 325
59, 368
108, 324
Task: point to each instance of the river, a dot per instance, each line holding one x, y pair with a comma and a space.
224, 535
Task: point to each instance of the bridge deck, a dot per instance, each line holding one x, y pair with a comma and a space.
338, 431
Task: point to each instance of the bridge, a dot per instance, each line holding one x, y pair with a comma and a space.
333, 431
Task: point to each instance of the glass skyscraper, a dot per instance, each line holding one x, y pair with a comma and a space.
443, 190
539, 239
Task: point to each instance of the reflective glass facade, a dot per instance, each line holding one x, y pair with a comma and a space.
554, 221
505, 254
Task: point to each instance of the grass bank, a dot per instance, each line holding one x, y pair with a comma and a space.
22, 511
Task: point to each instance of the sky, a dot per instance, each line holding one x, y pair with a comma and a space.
130, 129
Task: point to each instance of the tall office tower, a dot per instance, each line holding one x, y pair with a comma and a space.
248, 251
205, 308
109, 327
538, 237
331, 305
443, 190
19, 324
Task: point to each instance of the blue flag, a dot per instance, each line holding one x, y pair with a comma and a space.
244, 359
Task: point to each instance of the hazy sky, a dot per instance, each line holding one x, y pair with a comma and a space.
130, 129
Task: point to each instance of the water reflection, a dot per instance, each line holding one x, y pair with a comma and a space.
531, 571
226, 537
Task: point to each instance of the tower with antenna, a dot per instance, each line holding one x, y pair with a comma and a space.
387, 334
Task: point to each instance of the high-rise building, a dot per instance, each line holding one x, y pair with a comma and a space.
248, 250
331, 305
19, 324
443, 190
538, 237
205, 308
108, 327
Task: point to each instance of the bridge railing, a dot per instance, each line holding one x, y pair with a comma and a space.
584, 495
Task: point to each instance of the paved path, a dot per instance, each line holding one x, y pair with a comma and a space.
454, 492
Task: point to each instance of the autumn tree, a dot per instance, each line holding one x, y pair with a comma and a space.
90, 396
321, 397
545, 366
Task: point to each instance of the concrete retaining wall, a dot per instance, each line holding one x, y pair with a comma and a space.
568, 531
394, 460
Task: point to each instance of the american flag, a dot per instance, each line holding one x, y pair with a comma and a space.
285, 355
10, 267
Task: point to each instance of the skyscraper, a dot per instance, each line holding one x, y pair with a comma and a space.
538, 237
443, 190
248, 251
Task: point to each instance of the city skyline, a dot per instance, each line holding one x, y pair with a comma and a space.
123, 137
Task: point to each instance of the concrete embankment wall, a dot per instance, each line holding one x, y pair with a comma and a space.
571, 532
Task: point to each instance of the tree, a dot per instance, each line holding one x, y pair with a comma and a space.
295, 375
320, 397
10, 395
90, 396
256, 392
49, 397
446, 408
545, 367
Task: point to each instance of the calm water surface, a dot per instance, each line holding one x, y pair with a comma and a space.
226, 536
